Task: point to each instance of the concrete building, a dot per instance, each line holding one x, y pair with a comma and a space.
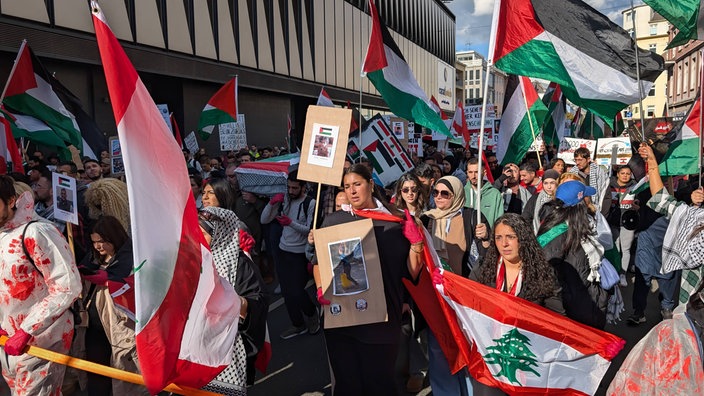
650, 30
460, 70
474, 76
683, 75
283, 52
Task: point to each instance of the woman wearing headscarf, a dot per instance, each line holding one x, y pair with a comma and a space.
221, 229
460, 243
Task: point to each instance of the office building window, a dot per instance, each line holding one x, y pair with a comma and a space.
650, 111
652, 91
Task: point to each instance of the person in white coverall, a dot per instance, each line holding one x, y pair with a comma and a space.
35, 296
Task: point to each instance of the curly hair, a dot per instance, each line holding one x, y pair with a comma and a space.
421, 196
538, 275
108, 196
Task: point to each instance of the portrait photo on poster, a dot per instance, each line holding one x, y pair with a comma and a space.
398, 130
65, 198
323, 144
349, 270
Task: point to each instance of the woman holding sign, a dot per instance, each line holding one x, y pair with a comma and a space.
363, 356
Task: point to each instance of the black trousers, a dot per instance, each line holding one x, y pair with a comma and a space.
292, 271
361, 369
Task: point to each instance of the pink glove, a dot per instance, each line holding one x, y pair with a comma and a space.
15, 345
321, 299
437, 276
284, 220
246, 241
100, 277
410, 229
278, 198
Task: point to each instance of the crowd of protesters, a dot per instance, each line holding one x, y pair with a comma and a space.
561, 236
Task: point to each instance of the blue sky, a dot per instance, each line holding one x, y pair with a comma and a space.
473, 20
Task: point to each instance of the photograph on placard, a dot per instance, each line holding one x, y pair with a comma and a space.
348, 267
118, 166
65, 198
115, 147
323, 144
398, 130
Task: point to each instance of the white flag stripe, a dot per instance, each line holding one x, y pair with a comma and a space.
583, 374
512, 117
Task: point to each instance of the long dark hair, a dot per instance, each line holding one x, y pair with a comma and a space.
421, 196
579, 217
110, 230
364, 172
538, 275
223, 192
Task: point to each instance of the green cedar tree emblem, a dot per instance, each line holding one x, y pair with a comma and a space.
512, 353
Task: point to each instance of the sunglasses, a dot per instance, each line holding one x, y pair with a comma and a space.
443, 194
406, 190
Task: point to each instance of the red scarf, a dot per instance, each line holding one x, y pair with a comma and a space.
501, 278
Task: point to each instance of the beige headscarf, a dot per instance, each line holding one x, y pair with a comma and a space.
443, 217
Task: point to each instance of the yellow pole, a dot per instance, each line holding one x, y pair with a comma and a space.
104, 370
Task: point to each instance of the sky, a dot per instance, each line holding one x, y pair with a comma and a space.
473, 20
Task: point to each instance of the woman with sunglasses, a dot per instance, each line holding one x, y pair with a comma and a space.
410, 194
515, 264
460, 243
222, 231
363, 357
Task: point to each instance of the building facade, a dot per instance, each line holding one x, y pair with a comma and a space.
282, 51
475, 72
683, 75
650, 30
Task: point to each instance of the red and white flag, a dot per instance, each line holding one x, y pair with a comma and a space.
324, 99
9, 151
187, 315
459, 125
525, 349
436, 106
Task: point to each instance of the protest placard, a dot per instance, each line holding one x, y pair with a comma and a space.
569, 145
65, 198
324, 144
613, 151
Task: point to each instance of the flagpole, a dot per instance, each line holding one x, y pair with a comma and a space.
361, 84
640, 87
701, 102
530, 121
12, 71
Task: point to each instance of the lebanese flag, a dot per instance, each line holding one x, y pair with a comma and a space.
436, 107
187, 316
521, 119
220, 109
8, 147
459, 125
29, 91
324, 99
554, 126
177, 130
572, 44
386, 68
525, 349
682, 156
264, 355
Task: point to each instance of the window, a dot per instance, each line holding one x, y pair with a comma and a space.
476, 93
471, 93
653, 48
685, 78
693, 75
635, 110
652, 91
471, 75
653, 29
650, 111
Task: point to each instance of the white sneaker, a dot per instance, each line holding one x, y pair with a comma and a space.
622, 280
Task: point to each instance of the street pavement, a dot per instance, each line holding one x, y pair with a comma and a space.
299, 365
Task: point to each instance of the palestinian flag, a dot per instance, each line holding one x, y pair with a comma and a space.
30, 90
619, 125
324, 99
386, 68
186, 315
514, 350
592, 127
520, 121
683, 154
572, 44
686, 15
28, 127
576, 121
554, 125
220, 109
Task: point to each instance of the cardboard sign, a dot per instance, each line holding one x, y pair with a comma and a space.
350, 272
116, 164
569, 145
613, 151
324, 145
164, 110
233, 135
65, 198
473, 114
192, 142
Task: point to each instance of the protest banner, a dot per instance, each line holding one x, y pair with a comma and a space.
233, 135
569, 145
324, 144
613, 151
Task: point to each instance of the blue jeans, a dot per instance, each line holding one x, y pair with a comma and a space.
648, 261
442, 382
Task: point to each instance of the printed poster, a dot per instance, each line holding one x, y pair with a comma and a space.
569, 145
65, 198
323, 144
613, 151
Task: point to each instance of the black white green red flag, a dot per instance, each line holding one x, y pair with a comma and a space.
686, 15
682, 156
187, 316
521, 119
572, 44
220, 109
387, 69
554, 126
592, 127
523, 348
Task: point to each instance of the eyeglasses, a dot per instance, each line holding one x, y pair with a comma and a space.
445, 194
406, 190
509, 237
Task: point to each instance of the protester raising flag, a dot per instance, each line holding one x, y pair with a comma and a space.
572, 44
682, 156
386, 68
187, 316
515, 351
592, 127
523, 113
220, 109
324, 99
685, 15
554, 125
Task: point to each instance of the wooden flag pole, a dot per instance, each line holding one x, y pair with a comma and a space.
530, 119
104, 370
701, 119
69, 236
